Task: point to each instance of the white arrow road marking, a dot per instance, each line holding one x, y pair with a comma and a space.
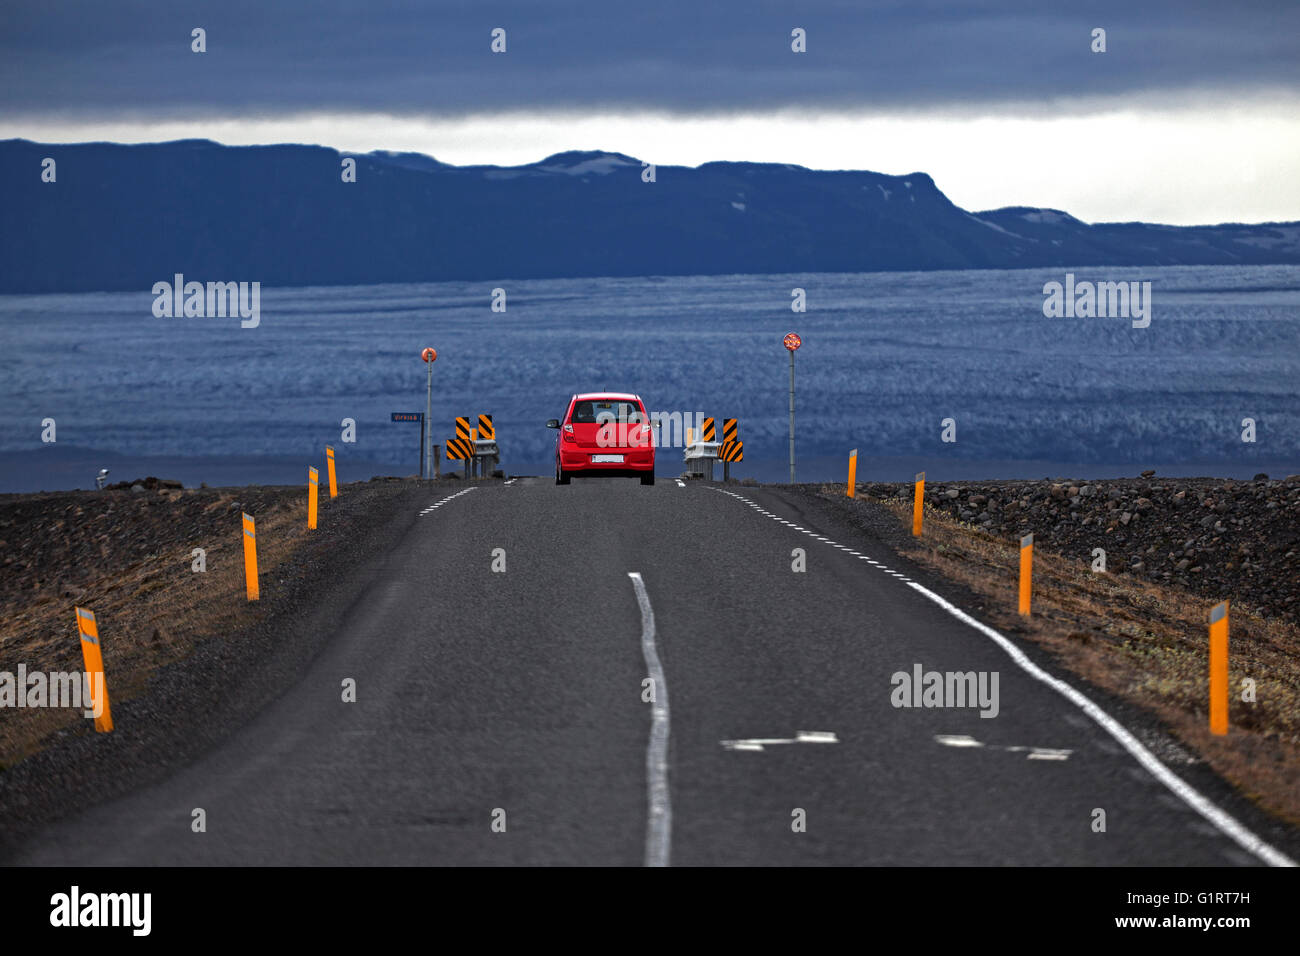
658, 838
680, 483
803, 737
1032, 753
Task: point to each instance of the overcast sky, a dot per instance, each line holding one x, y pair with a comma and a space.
1191, 115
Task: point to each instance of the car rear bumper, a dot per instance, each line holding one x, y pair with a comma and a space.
635, 462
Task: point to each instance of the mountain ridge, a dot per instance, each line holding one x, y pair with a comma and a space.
122, 216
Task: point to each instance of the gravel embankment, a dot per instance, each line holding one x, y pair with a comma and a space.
1217, 538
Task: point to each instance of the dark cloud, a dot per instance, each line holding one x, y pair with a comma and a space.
266, 56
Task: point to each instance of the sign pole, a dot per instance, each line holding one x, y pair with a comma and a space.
792, 416
428, 414
426, 427
792, 342
423, 447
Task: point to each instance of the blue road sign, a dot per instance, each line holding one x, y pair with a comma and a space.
408, 416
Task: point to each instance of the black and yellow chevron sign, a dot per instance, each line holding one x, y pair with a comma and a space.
707, 433
730, 432
485, 430
462, 427
733, 451
460, 448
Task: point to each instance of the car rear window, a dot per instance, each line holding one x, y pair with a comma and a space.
598, 411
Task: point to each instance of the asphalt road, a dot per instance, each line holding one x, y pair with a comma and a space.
517, 696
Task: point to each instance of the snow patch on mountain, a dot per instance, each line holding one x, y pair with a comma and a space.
583, 164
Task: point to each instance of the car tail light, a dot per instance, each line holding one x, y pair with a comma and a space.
568, 433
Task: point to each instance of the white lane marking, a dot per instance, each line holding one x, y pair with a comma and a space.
1221, 820
1031, 753
439, 504
510, 481
659, 829
803, 737
680, 483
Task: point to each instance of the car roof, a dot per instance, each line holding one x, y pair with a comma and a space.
626, 396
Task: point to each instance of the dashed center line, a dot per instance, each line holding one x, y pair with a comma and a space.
812, 534
1031, 753
756, 744
438, 504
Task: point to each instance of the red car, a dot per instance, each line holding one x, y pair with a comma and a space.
604, 433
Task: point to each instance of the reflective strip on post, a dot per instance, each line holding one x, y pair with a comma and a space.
250, 557
94, 661
1219, 669
1026, 572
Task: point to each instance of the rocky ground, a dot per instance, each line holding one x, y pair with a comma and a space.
128, 553
188, 658
1218, 538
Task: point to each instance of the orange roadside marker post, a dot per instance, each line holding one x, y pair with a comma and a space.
918, 504
1219, 669
250, 557
329, 460
1026, 571
89, 632
313, 491
853, 471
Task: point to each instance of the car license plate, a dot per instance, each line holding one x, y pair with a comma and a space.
612, 458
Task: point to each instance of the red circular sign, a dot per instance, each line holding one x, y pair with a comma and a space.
429, 355
792, 341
